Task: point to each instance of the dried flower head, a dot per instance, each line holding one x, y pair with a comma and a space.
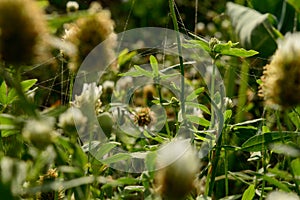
178, 166
280, 80
88, 32
22, 28
50, 176
143, 117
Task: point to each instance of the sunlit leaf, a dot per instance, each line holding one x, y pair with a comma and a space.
249, 193
198, 120
154, 65
195, 94
116, 158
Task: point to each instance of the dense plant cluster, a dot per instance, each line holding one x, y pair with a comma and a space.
82, 118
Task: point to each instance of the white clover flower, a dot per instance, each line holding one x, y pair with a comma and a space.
71, 119
39, 132
90, 95
72, 6
279, 195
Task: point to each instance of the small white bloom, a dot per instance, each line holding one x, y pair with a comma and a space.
279, 195
73, 116
72, 6
39, 131
90, 94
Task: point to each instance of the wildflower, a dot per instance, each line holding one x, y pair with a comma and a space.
280, 80
278, 195
72, 120
90, 94
143, 117
22, 29
178, 167
39, 132
87, 33
49, 177
72, 6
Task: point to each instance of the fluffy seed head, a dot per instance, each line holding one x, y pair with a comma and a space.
281, 78
22, 28
88, 32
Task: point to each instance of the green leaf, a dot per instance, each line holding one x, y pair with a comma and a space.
3, 93
228, 49
26, 85
295, 4
277, 183
125, 56
195, 94
154, 65
295, 164
105, 148
138, 72
260, 142
254, 30
116, 158
150, 160
8, 125
198, 120
199, 42
249, 193
200, 106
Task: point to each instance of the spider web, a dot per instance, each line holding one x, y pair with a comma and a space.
56, 87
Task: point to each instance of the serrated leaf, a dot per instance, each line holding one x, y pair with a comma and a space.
198, 120
255, 30
116, 158
260, 142
195, 94
249, 193
154, 65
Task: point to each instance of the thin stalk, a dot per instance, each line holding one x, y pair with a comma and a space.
212, 90
158, 88
242, 97
176, 28
217, 153
226, 160
230, 76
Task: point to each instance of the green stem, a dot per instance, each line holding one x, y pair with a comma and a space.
230, 76
212, 90
242, 99
158, 88
176, 28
